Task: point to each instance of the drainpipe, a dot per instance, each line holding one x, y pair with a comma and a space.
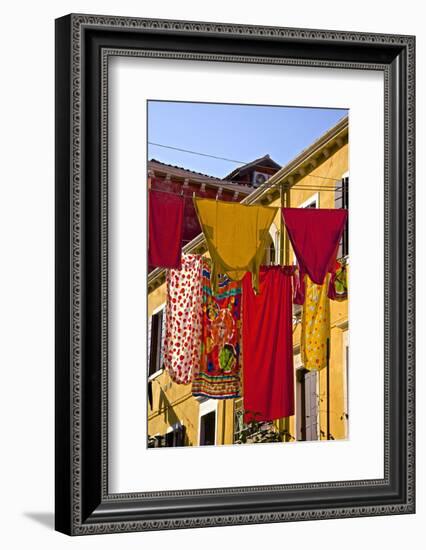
284, 260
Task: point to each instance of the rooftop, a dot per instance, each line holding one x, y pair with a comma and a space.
261, 162
157, 167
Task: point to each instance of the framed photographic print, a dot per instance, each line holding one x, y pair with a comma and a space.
234, 274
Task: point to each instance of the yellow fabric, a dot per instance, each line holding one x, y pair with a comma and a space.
315, 325
236, 236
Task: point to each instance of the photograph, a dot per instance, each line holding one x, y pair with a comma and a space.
234, 305
248, 258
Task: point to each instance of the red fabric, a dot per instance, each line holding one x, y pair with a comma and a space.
298, 287
267, 345
165, 213
191, 225
315, 234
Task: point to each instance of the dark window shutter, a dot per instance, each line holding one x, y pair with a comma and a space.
156, 343
163, 336
307, 411
311, 406
175, 437
338, 203
301, 405
152, 367
341, 200
269, 255
149, 340
159, 441
149, 391
179, 436
346, 205
169, 439
208, 429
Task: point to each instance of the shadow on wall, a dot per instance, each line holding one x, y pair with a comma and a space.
170, 416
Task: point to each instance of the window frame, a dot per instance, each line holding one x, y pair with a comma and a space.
207, 406
313, 198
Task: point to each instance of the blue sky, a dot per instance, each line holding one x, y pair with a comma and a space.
239, 132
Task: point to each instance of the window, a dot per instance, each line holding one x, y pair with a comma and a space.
272, 247
341, 200
312, 202
156, 333
306, 405
208, 429
207, 422
269, 256
174, 437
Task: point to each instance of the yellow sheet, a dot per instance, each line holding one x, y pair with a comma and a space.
236, 236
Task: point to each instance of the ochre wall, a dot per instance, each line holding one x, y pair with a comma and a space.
174, 402
156, 299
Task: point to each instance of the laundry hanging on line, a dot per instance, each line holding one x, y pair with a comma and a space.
165, 215
218, 375
315, 234
236, 236
268, 345
240, 231
315, 324
338, 286
183, 319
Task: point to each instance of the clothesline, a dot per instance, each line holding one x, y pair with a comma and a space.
220, 158
189, 194
329, 186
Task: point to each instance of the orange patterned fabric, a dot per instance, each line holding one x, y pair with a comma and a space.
219, 373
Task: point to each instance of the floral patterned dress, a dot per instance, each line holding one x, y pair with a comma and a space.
219, 373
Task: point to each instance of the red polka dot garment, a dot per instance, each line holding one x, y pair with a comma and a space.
183, 320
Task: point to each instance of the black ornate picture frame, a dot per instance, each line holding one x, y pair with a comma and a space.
84, 43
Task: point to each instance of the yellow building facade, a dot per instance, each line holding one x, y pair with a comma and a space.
319, 178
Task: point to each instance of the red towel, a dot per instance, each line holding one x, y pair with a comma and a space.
315, 234
165, 214
267, 345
